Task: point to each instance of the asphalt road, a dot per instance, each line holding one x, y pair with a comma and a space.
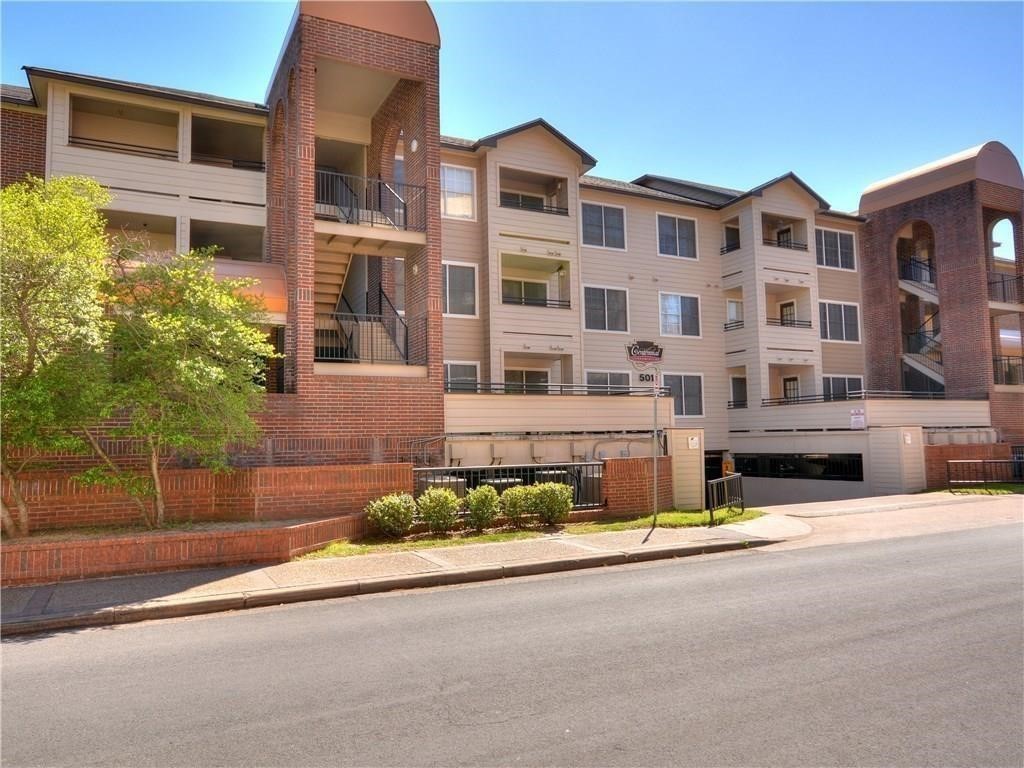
905, 652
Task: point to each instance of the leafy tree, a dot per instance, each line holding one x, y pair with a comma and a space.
55, 258
187, 366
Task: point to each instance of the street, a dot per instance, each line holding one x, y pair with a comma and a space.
905, 652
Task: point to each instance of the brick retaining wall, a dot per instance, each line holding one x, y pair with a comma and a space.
626, 485
936, 456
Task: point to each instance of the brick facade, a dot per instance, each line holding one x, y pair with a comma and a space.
23, 139
936, 456
626, 485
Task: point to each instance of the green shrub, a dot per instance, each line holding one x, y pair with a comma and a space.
481, 507
391, 515
516, 504
551, 502
439, 509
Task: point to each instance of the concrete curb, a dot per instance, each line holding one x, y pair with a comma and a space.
194, 606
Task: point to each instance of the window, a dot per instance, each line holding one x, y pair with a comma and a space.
803, 466
461, 377
838, 321
791, 388
605, 309
687, 393
458, 289
399, 269
526, 382
835, 249
734, 311
609, 381
841, 387
787, 313
739, 392
680, 315
524, 292
732, 238
457, 192
604, 226
677, 237
521, 200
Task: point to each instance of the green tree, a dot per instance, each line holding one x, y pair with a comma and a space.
187, 366
54, 259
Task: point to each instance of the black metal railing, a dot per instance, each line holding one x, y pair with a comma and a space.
529, 205
916, 271
119, 146
789, 322
733, 325
512, 388
1008, 370
228, 162
728, 248
370, 202
526, 301
733, 404
985, 474
351, 337
584, 478
724, 493
792, 245
927, 346
867, 394
1008, 289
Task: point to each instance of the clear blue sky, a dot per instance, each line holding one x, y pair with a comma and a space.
727, 93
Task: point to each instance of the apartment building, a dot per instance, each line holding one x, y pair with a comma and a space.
471, 301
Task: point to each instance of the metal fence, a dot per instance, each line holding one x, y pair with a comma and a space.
725, 492
984, 474
583, 477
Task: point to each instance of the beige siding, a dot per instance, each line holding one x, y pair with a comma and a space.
687, 468
475, 414
842, 359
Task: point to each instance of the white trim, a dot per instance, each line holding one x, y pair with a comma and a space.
856, 258
583, 308
700, 316
728, 301
860, 320
474, 363
625, 236
696, 238
703, 408
476, 289
472, 170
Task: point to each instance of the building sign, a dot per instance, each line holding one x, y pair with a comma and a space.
857, 418
643, 354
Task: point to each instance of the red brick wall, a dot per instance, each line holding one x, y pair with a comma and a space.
936, 456
26, 562
626, 485
56, 500
22, 144
1008, 416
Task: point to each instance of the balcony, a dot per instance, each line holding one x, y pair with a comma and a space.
792, 245
385, 338
787, 322
227, 144
1006, 289
367, 202
533, 192
530, 203
916, 271
786, 232
527, 301
114, 126
1008, 370
732, 325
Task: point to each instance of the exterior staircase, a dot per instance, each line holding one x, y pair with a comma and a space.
922, 351
918, 277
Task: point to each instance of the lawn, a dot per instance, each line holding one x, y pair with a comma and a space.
992, 489
673, 519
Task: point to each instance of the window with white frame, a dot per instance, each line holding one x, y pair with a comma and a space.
458, 289
734, 311
677, 237
834, 249
604, 226
457, 192
607, 381
525, 292
687, 392
525, 381
841, 387
461, 376
680, 315
839, 322
605, 309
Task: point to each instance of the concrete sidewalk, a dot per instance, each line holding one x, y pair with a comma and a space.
877, 504
97, 602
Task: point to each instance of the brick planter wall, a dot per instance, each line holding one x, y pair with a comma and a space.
52, 561
936, 456
626, 485
56, 500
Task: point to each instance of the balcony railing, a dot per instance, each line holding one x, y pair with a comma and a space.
526, 301
385, 337
733, 325
527, 205
1008, 289
370, 202
1008, 370
788, 322
583, 477
868, 394
228, 162
734, 404
501, 388
792, 245
916, 271
729, 248
129, 149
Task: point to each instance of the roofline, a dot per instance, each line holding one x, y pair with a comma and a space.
665, 198
492, 140
202, 99
27, 102
756, 191
842, 215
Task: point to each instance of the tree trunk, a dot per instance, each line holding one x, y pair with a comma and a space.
98, 450
19, 500
8, 521
158, 491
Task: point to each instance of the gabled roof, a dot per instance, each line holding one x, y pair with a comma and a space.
691, 190
756, 191
125, 86
587, 159
628, 188
17, 94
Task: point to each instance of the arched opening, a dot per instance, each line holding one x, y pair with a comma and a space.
920, 324
1001, 242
